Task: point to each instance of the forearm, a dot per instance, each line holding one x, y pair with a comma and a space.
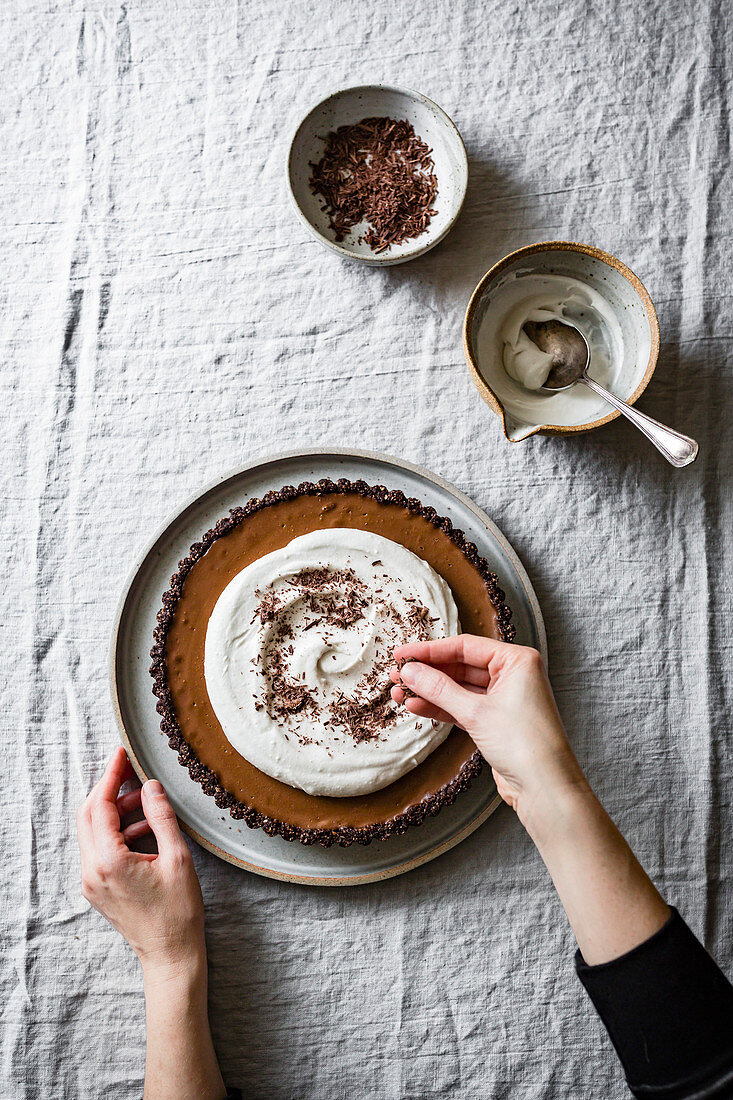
609, 899
180, 1062
666, 1005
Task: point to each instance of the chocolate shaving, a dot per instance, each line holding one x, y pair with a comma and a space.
284, 698
406, 691
267, 609
364, 718
377, 171
323, 577
418, 618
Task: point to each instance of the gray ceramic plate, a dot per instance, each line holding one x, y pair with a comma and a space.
135, 704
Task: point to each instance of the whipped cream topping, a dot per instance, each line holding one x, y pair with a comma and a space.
558, 298
297, 657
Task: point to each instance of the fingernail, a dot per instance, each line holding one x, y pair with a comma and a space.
153, 787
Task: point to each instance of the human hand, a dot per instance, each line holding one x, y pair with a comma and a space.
500, 694
153, 900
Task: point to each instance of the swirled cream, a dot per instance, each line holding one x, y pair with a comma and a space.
297, 656
558, 298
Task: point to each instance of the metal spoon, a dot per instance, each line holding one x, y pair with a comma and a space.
571, 360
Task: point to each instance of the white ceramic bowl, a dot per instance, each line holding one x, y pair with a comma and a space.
575, 410
379, 101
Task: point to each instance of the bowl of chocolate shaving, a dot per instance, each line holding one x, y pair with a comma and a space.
378, 173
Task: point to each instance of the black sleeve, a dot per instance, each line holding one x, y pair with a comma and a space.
669, 1012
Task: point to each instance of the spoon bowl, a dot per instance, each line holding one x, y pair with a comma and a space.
569, 348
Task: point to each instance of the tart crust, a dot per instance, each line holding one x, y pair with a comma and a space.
345, 835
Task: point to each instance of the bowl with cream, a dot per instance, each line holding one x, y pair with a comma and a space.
563, 281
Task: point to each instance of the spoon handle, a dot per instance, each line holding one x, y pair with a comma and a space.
677, 448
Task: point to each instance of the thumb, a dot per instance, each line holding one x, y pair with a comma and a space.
439, 689
161, 816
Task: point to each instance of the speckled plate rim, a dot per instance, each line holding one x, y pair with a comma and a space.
561, 246
412, 253
212, 487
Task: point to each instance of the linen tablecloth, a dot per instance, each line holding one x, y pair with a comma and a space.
165, 317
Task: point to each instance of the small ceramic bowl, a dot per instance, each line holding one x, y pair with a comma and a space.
524, 413
379, 101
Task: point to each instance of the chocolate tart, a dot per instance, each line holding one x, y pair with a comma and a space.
189, 722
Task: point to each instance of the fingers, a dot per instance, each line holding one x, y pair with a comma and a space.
428, 710
466, 674
126, 803
98, 820
117, 771
441, 691
468, 649
135, 830
420, 708
105, 826
162, 819
462, 674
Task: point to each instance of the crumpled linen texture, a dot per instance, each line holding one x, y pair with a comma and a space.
164, 316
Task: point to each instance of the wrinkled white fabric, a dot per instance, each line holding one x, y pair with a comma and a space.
163, 315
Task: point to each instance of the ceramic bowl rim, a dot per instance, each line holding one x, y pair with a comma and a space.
560, 246
461, 186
